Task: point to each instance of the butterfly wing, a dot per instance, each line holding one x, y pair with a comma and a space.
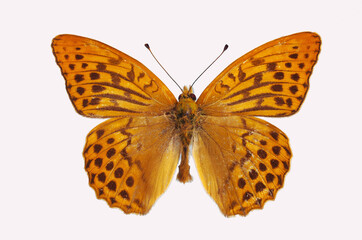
104, 82
127, 165
242, 161
271, 80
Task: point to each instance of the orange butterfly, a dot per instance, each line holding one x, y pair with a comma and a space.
241, 160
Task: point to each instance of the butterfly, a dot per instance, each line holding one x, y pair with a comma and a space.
131, 157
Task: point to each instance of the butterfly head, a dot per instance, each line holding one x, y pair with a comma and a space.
187, 95
186, 108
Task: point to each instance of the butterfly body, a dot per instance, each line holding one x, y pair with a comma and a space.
185, 116
241, 160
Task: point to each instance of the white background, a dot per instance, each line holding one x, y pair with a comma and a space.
43, 186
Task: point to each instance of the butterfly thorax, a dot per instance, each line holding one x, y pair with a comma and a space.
186, 116
186, 110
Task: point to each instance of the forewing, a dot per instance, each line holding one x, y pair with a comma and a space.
130, 161
242, 161
104, 82
271, 80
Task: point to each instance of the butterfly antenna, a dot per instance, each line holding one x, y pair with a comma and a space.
225, 47
149, 49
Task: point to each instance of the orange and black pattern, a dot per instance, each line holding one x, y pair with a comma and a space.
241, 160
